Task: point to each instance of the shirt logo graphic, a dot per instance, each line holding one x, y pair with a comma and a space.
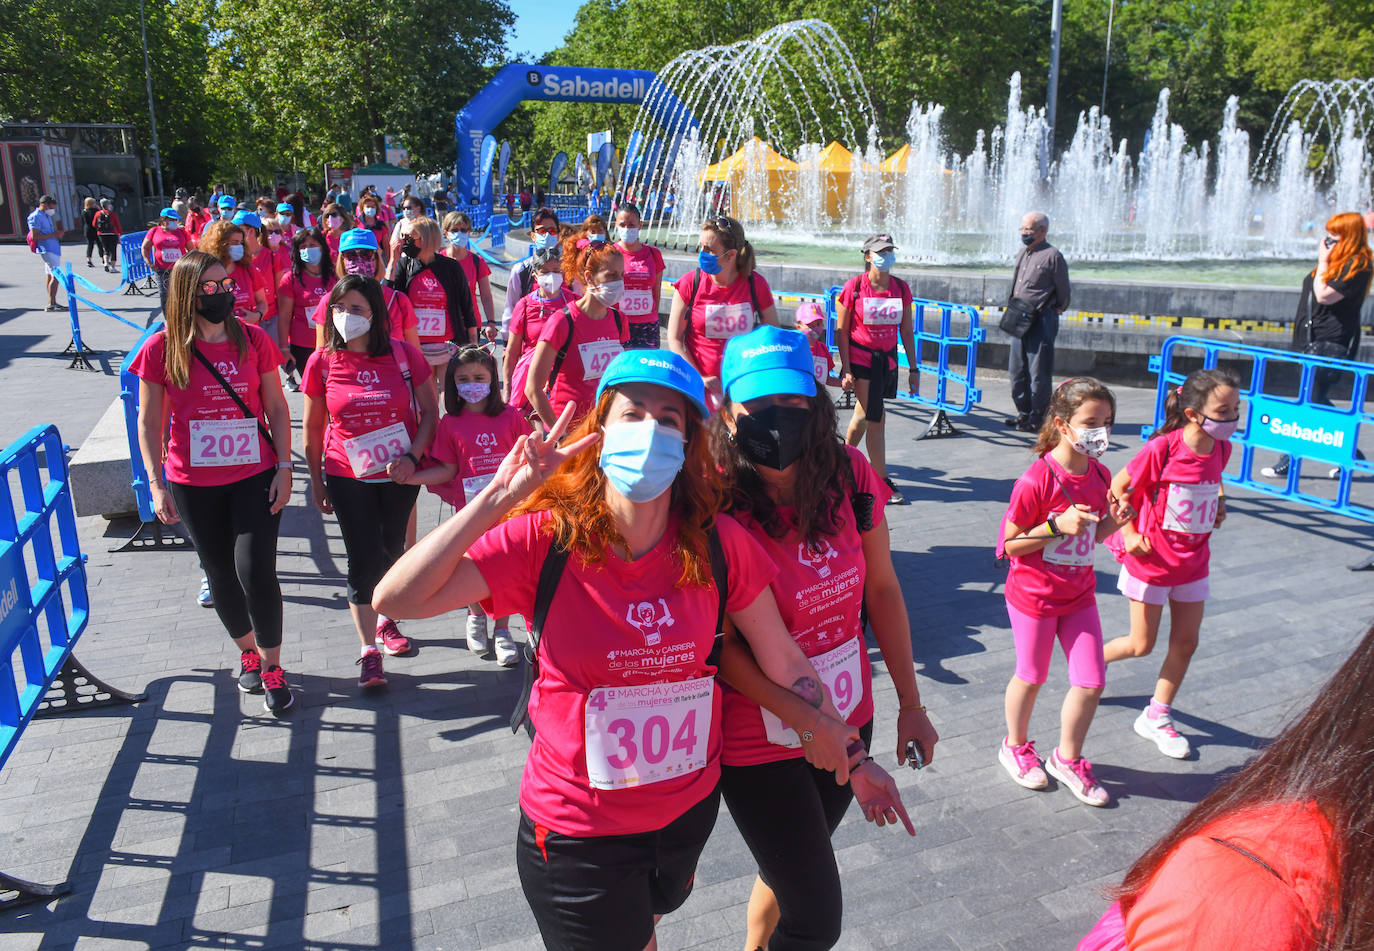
819, 559
647, 619
487, 442
367, 379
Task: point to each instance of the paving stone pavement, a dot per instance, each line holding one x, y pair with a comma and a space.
194, 820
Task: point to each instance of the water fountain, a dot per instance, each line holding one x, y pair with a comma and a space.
781, 134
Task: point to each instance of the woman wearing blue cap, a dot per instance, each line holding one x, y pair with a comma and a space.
360, 254
162, 247
619, 792
816, 506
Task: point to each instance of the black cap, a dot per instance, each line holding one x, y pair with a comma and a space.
879, 242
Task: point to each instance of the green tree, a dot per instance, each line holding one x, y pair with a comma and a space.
1284, 41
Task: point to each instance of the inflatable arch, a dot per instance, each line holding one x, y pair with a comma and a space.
519, 82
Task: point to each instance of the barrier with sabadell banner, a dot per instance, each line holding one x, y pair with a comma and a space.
1278, 414
956, 357
44, 608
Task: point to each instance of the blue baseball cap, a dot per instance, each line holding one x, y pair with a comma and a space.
660, 367
286, 207
358, 239
169, 212
227, 201
248, 218
767, 361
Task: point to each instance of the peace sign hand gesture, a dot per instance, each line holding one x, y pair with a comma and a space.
537, 456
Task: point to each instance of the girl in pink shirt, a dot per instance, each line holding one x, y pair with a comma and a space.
1173, 490
643, 279
549, 296
1059, 510
620, 789
476, 433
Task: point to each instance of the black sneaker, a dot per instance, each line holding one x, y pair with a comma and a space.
250, 672
897, 497
1014, 422
1028, 426
277, 696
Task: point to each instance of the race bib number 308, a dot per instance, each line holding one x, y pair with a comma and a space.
724, 321
648, 733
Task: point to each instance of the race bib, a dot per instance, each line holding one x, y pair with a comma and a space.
225, 442
596, 355
371, 452
473, 485
1072, 551
170, 255
882, 311
430, 321
842, 673
724, 321
822, 367
646, 734
637, 303
1192, 508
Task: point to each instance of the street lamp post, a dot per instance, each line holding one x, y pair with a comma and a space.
1056, 27
152, 114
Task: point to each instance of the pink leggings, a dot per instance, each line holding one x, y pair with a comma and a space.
1081, 635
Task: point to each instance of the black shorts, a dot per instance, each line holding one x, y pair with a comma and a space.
601, 893
643, 337
873, 409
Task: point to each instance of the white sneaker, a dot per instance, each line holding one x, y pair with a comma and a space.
1334, 473
507, 652
477, 634
1161, 731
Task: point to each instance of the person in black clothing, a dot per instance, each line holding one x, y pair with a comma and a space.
415, 249
88, 212
1328, 319
1041, 280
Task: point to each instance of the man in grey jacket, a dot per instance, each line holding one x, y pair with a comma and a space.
1041, 278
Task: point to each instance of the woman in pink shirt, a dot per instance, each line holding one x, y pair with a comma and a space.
225, 241
1058, 512
1173, 489
359, 254
619, 791
457, 245
579, 341
369, 419
723, 298
310, 279
333, 223
643, 279
207, 383
548, 297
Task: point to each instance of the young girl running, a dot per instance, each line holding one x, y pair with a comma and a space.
475, 435
1059, 510
1173, 490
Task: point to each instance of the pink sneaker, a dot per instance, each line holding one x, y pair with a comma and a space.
1078, 776
1022, 764
391, 639
371, 674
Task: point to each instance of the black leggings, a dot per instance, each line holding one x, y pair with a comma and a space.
300, 355
372, 519
787, 811
92, 239
109, 247
235, 534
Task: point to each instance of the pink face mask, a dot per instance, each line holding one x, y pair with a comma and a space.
364, 266
1222, 429
273, 239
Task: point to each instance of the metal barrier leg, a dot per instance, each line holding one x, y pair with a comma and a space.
1366, 565
76, 688
78, 355
15, 891
154, 536
939, 426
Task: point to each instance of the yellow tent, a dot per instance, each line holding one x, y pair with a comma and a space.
754, 180
895, 164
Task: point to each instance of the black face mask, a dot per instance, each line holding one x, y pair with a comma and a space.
410, 249
216, 308
773, 437
1028, 239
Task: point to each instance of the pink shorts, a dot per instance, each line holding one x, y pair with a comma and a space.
1137, 590
1080, 634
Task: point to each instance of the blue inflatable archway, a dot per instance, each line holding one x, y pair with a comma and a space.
519, 82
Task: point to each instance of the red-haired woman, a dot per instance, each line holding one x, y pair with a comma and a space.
580, 341
621, 787
1328, 319
1277, 859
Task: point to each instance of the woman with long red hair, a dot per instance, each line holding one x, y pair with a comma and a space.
1328, 319
621, 787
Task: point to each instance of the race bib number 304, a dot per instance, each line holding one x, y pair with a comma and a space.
646, 734
224, 442
842, 673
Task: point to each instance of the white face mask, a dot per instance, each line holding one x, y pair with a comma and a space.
284, 220
549, 284
236, 252
629, 235
410, 212
350, 326
1091, 442
609, 293
459, 239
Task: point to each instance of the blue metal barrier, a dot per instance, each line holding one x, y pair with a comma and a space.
132, 267
944, 370
497, 230
77, 348
41, 619
1296, 425
150, 534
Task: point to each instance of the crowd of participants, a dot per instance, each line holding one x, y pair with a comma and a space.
694, 544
